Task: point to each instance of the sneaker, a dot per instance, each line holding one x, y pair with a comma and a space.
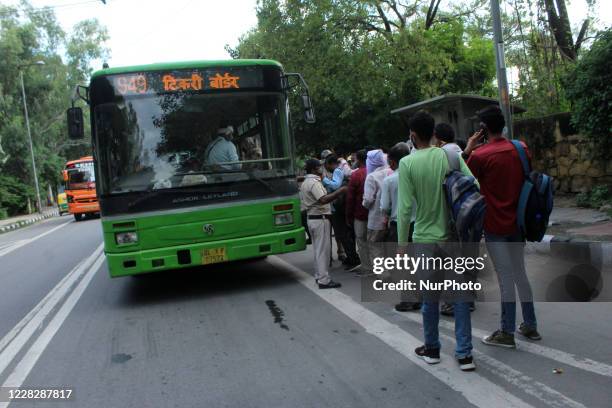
352, 266
363, 271
501, 339
407, 306
466, 363
447, 309
431, 356
342, 258
330, 285
529, 332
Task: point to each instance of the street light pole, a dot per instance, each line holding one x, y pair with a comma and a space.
500, 64
25, 108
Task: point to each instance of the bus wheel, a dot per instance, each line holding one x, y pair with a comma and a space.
78, 217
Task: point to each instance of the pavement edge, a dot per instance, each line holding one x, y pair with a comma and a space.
29, 221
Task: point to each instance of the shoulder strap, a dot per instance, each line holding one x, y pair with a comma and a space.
523, 156
210, 147
453, 160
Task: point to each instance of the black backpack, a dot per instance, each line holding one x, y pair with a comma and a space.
465, 203
536, 200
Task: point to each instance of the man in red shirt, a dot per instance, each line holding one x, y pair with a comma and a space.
356, 213
497, 166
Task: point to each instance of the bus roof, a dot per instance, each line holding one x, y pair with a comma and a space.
81, 160
186, 65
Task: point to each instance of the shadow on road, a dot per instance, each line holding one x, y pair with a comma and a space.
202, 282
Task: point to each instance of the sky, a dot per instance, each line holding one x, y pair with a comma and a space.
147, 31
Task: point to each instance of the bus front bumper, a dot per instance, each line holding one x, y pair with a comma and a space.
183, 256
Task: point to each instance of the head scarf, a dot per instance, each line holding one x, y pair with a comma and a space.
375, 159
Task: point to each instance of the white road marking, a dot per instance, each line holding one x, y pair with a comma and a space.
476, 389
8, 244
527, 384
562, 357
19, 244
23, 368
12, 343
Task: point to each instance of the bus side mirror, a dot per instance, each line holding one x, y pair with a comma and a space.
309, 115
65, 175
75, 123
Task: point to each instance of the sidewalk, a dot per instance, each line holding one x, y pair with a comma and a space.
14, 223
570, 222
579, 233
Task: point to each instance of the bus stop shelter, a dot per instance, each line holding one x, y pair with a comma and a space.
458, 110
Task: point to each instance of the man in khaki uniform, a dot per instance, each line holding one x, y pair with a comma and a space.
316, 202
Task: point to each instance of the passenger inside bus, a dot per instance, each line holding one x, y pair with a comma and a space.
222, 151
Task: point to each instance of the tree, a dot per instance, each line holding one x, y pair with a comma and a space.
589, 88
558, 20
362, 59
27, 35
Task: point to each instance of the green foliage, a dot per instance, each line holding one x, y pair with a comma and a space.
358, 73
14, 195
28, 35
583, 200
589, 87
596, 198
599, 196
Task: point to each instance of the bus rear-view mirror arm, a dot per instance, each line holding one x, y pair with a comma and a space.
309, 114
74, 117
74, 114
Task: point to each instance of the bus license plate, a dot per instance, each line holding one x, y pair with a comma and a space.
213, 255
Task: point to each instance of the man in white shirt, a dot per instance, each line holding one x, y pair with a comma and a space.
222, 151
388, 204
445, 137
388, 199
372, 192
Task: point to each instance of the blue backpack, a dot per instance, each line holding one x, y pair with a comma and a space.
536, 200
466, 205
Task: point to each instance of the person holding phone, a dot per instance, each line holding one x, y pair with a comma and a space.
499, 171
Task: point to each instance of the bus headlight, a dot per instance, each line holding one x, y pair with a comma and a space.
123, 238
283, 218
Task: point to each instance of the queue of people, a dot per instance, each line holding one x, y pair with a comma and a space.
398, 196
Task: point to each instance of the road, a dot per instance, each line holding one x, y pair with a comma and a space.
259, 334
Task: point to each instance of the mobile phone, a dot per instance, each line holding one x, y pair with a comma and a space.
485, 133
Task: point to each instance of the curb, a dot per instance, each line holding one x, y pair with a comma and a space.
29, 221
597, 253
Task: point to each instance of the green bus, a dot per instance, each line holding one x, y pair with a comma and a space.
194, 162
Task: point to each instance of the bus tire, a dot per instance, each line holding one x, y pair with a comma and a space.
78, 217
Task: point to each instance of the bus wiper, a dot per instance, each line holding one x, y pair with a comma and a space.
261, 181
154, 193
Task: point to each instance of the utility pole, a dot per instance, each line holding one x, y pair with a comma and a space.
25, 108
500, 64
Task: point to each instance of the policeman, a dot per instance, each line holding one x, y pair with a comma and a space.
317, 203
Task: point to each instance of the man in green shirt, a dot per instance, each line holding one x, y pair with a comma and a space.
421, 175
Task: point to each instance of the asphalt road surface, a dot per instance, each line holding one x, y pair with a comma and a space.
259, 334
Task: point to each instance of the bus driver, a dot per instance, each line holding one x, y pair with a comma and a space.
222, 150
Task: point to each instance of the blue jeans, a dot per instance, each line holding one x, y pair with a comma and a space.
431, 312
509, 262
463, 327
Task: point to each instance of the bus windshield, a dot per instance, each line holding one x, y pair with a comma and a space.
82, 177
167, 141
